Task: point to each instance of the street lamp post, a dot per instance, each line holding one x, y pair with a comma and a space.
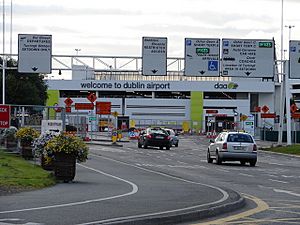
77, 50
3, 59
281, 105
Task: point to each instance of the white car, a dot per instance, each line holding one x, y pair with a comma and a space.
233, 146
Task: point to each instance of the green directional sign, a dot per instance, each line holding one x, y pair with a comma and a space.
201, 51
92, 118
265, 44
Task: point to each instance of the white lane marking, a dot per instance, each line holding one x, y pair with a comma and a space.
272, 175
181, 162
287, 176
10, 219
224, 193
222, 170
279, 181
277, 164
134, 190
247, 175
286, 192
107, 150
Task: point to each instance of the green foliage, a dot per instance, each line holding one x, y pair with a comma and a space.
67, 144
27, 134
10, 133
293, 149
23, 89
16, 172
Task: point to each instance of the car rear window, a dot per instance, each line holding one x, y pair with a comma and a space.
158, 131
239, 138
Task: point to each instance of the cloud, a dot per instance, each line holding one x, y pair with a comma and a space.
57, 10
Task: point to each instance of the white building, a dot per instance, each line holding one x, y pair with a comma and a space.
205, 103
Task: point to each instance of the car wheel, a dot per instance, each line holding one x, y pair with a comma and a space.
243, 162
209, 160
168, 147
139, 145
252, 163
218, 159
161, 148
145, 146
176, 145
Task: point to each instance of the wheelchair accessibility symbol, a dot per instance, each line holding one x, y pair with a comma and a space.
212, 65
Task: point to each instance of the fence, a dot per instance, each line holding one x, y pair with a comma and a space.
33, 115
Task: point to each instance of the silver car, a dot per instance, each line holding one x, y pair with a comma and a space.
233, 146
173, 136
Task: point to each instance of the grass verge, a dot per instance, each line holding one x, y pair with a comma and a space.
292, 149
17, 174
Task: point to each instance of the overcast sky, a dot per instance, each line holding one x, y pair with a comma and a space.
116, 27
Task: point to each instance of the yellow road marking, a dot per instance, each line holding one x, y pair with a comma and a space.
285, 220
277, 210
261, 206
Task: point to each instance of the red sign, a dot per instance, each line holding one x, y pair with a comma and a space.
296, 115
294, 108
211, 111
84, 106
68, 102
257, 109
92, 97
68, 109
221, 115
4, 116
268, 115
265, 109
103, 108
57, 108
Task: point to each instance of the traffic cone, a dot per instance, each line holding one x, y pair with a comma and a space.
214, 134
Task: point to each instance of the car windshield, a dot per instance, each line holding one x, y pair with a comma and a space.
239, 138
158, 131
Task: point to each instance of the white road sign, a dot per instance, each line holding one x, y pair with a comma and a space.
295, 59
202, 57
247, 58
34, 54
154, 56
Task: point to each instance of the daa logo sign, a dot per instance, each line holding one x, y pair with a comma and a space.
4, 116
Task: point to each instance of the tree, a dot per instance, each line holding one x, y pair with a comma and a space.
21, 88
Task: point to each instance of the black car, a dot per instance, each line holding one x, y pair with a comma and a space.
155, 137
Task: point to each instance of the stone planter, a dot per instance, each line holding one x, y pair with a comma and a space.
10, 144
64, 166
26, 150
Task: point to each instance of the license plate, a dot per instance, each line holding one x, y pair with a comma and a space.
159, 137
238, 147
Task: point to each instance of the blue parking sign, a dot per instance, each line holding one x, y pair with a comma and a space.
213, 65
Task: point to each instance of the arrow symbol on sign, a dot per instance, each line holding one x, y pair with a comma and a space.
34, 68
247, 73
202, 72
154, 71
